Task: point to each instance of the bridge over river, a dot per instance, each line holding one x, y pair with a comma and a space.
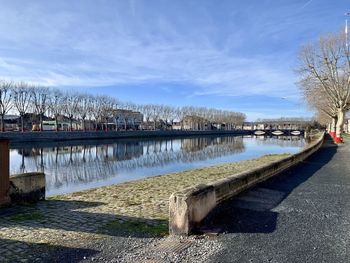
277, 128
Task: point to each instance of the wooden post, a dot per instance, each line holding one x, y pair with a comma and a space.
4, 172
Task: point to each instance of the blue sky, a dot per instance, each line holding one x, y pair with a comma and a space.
235, 55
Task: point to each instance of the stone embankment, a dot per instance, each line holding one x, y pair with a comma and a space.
97, 135
190, 206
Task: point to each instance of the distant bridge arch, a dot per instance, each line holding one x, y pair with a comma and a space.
279, 127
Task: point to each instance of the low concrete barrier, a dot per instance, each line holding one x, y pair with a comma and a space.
190, 206
27, 187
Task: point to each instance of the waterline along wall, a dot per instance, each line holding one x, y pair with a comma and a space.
96, 135
187, 208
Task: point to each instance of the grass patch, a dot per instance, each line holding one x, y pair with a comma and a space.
345, 135
27, 217
158, 228
56, 197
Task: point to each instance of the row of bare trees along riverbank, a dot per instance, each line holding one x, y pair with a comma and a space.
91, 112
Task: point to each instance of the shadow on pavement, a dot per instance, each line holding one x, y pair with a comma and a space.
43, 252
70, 222
251, 211
70, 216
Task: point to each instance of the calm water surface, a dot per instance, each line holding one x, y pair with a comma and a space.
70, 168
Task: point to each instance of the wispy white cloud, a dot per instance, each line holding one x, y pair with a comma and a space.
306, 4
113, 43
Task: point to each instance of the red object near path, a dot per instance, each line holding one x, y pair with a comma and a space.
338, 139
332, 134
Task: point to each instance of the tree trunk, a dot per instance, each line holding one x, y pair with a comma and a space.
339, 126
56, 123
22, 122
41, 122
2, 123
332, 127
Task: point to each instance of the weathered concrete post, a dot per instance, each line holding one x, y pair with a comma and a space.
4, 172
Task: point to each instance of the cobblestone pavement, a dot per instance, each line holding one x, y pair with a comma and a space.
69, 224
33, 233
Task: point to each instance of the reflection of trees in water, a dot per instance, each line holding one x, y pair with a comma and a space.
85, 163
282, 141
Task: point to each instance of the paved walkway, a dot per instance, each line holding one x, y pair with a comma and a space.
301, 216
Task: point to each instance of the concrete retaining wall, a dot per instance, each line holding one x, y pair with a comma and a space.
96, 135
27, 187
190, 206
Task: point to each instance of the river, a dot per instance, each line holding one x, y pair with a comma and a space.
75, 166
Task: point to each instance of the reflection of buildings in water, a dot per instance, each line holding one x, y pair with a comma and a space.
28, 152
127, 151
60, 150
198, 144
283, 141
80, 164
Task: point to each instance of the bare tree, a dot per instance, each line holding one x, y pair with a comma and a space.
168, 114
325, 108
180, 114
22, 99
56, 105
155, 112
71, 104
326, 65
40, 96
90, 110
103, 110
6, 94
96, 110
83, 108
146, 110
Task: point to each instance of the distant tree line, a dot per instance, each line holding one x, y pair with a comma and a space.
22, 98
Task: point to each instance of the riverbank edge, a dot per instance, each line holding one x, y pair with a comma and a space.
49, 136
188, 207
144, 203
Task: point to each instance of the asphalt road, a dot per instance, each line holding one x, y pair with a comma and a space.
303, 215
